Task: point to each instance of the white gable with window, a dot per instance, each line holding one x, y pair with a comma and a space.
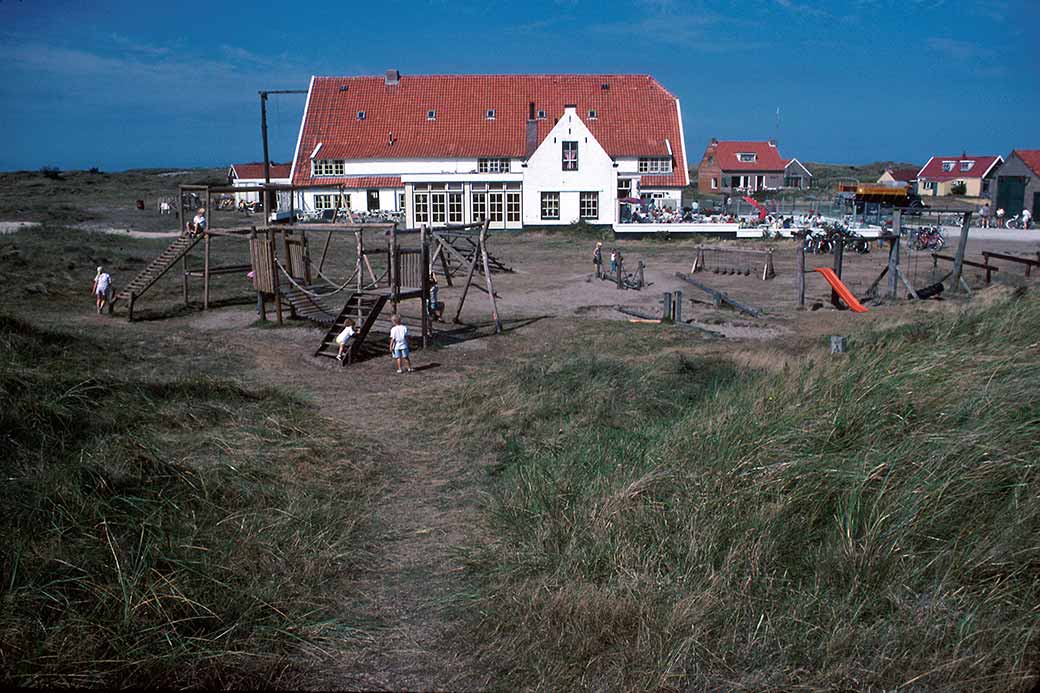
569, 177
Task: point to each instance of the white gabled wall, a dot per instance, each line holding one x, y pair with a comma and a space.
544, 173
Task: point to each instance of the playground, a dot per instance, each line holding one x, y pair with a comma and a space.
530, 299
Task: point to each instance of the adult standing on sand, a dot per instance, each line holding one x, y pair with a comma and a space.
597, 258
102, 289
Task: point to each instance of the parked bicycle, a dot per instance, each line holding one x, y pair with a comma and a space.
927, 238
1019, 221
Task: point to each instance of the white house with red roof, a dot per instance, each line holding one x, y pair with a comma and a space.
518, 150
730, 166
942, 173
252, 175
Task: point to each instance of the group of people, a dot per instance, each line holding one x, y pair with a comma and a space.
399, 350
597, 259
985, 214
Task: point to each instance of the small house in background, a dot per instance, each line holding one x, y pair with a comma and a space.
1017, 183
946, 175
796, 175
730, 166
251, 175
899, 176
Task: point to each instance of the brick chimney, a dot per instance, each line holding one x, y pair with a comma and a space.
392, 78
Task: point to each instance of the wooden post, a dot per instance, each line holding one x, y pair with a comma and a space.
205, 268
465, 289
893, 252
800, 266
768, 272
444, 263
666, 306
325, 250
487, 278
305, 253
274, 276
130, 308
620, 271
839, 257
677, 307
184, 270
958, 260
395, 270
425, 263
838, 344
642, 281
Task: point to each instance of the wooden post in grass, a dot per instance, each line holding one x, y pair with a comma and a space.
274, 275
130, 308
839, 256
677, 307
205, 253
620, 270
487, 278
427, 325
184, 272
639, 274
800, 265
893, 252
958, 260
666, 306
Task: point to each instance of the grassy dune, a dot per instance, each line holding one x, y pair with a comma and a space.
842, 523
188, 533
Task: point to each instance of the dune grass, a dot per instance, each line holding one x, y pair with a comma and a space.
172, 534
858, 523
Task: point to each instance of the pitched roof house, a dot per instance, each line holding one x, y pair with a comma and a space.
729, 166
516, 149
942, 173
899, 176
1016, 183
252, 174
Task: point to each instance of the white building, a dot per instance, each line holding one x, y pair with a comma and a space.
252, 175
519, 150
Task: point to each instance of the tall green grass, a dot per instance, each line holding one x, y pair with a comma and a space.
187, 534
854, 523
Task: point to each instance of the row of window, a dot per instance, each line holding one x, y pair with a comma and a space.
588, 205
335, 167
489, 114
446, 207
948, 166
655, 164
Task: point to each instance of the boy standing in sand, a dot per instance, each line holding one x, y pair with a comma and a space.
399, 344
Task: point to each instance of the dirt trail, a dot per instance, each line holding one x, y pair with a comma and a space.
410, 588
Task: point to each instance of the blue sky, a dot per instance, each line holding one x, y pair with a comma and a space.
130, 84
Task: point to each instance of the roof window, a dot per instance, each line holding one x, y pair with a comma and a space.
747, 157
431, 115
490, 114
361, 115
593, 114
948, 166
967, 165
604, 86
343, 87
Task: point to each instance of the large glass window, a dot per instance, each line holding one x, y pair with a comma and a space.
329, 201
455, 208
496, 207
570, 156
550, 205
512, 206
479, 206
438, 215
589, 207
327, 167
624, 188
422, 208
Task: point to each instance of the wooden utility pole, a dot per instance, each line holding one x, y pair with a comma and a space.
958, 260
263, 136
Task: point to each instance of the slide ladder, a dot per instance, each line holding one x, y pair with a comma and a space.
842, 290
364, 308
157, 268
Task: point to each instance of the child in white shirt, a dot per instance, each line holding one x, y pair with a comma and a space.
344, 337
399, 344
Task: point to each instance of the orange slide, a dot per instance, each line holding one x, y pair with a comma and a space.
842, 290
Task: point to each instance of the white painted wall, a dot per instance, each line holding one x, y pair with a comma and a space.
398, 167
544, 173
253, 182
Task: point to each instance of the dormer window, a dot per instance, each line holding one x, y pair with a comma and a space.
747, 157
593, 115
967, 165
431, 115
489, 165
541, 115
948, 166
655, 164
490, 114
360, 115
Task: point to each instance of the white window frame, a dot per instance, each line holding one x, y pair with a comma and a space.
624, 187
655, 164
714, 183
492, 165
489, 114
479, 203
328, 201
431, 114
400, 201
362, 115
566, 164
747, 157
455, 208
540, 115
593, 114
421, 201
513, 208
948, 166
550, 206
588, 205
967, 166
327, 167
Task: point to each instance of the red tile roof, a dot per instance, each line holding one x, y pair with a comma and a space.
1030, 157
635, 116
359, 182
933, 170
903, 175
767, 156
255, 170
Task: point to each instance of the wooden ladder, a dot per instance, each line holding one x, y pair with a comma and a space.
157, 268
364, 308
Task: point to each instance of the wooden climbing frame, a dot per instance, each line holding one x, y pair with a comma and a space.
741, 261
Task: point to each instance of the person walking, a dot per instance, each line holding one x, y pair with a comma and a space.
597, 258
984, 213
102, 290
399, 344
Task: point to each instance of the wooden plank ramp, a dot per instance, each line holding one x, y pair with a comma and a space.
155, 270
